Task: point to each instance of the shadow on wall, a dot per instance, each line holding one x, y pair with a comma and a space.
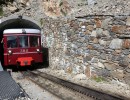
45, 57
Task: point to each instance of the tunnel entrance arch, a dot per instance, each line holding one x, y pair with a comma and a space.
18, 22
12, 22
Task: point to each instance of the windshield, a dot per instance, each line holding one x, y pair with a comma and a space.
33, 41
11, 41
23, 41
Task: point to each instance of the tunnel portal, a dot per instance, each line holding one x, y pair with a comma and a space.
18, 22
15, 22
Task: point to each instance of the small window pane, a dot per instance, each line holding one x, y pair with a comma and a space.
33, 41
23, 41
11, 41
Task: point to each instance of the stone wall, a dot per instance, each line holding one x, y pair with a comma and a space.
100, 7
93, 45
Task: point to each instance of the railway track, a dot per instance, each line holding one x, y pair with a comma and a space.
91, 93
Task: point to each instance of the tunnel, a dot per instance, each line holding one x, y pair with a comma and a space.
18, 22
15, 22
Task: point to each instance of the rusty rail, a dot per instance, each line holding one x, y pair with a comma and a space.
97, 95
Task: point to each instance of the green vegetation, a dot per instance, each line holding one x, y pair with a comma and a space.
5, 1
1, 11
61, 3
63, 12
98, 79
41, 21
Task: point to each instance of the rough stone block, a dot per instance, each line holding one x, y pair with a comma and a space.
95, 40
88, 71
128, 69
119, 74
99, 32
118, 51
94, 34
128, 21
106, 33
116, 44
100, 65
124, 61
105, 23
87, 58
102, 42
118, 29
103, 72
90, 27
90, 47
111, 66
98, 23
126, 43
127, 78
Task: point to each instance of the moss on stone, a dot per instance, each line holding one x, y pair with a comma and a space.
98, 79
61, 3
63, 12
41, 21
1, 11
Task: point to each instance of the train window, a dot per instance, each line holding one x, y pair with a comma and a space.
33, 41
11, 41
23, 41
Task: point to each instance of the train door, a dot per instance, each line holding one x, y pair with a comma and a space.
35, 48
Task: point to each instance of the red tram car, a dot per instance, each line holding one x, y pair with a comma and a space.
22, 47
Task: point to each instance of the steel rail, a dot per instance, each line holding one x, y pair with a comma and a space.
97, 95
41, 86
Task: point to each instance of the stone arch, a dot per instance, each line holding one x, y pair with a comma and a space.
18, 22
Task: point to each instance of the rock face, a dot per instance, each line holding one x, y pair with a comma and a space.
75, 8
94, 44
56, 8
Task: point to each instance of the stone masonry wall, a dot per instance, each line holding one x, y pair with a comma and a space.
93, 45
97, 46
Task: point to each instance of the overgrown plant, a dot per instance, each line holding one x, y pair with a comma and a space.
1, 11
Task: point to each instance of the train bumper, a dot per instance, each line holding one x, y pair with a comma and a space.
24, 61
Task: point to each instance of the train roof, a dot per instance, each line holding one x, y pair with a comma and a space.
6, 31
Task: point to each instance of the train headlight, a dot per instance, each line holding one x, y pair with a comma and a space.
10, 52
38, 50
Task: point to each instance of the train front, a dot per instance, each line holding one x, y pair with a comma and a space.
22, 47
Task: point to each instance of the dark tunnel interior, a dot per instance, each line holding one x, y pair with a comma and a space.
14, 24
17, 23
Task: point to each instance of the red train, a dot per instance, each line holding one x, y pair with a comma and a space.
22, 47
